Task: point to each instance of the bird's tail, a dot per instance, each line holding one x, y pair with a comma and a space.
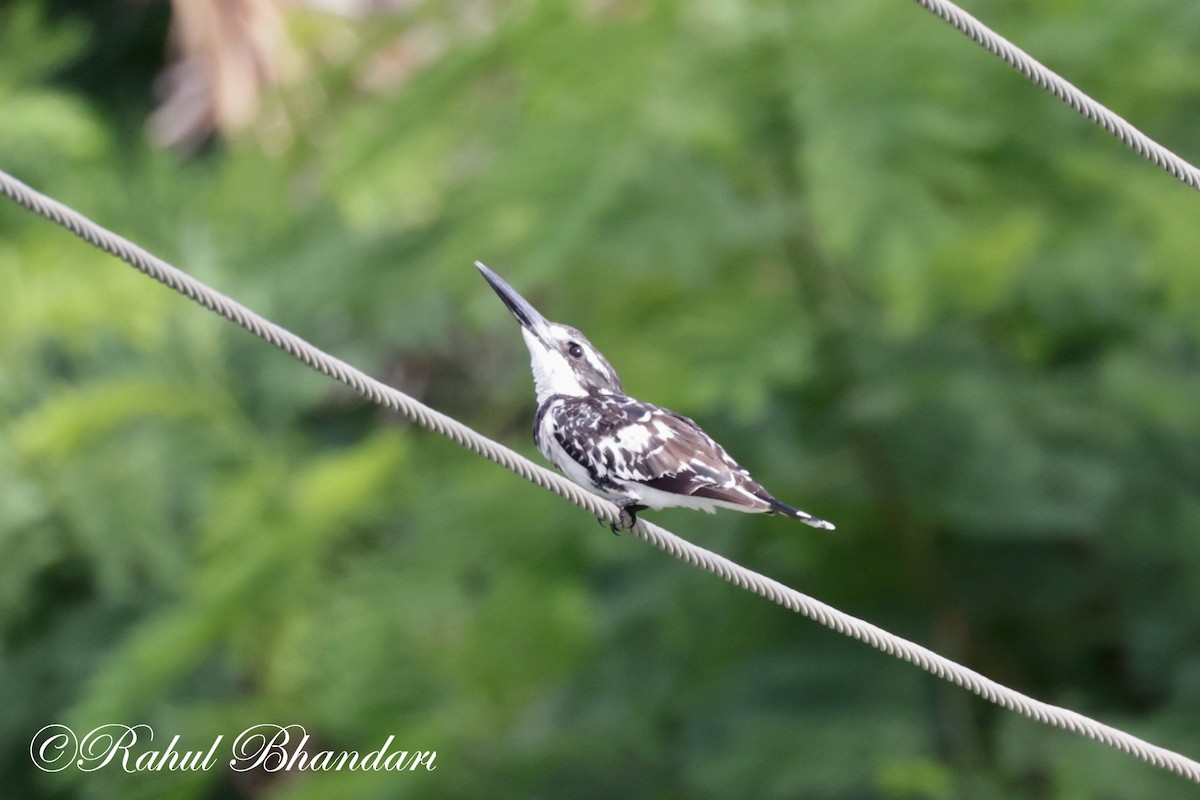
803, 516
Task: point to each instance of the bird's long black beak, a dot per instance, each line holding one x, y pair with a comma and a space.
527, 315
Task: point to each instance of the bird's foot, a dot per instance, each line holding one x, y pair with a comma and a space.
624, 523
627, 519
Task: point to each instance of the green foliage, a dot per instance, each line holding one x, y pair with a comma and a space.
909, 291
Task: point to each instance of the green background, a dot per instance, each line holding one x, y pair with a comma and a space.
908, 290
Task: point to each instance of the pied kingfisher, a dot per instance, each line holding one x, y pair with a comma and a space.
636, 454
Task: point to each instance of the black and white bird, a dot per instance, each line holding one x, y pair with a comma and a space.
636, 454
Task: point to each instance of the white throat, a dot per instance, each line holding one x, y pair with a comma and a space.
552, 373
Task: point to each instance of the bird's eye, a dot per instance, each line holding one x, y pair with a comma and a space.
574, 350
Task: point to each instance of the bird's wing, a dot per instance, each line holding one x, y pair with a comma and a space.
632, 441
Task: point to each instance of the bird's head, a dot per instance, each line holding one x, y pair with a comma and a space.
563, 360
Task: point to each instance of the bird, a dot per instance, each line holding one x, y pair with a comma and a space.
636, 454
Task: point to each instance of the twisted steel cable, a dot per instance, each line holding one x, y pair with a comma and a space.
1064, 90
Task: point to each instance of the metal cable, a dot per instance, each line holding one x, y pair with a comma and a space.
1063, 89
663, 539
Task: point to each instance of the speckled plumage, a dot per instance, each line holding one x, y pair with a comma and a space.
626, 446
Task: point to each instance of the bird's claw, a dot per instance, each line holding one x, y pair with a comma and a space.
624, 522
